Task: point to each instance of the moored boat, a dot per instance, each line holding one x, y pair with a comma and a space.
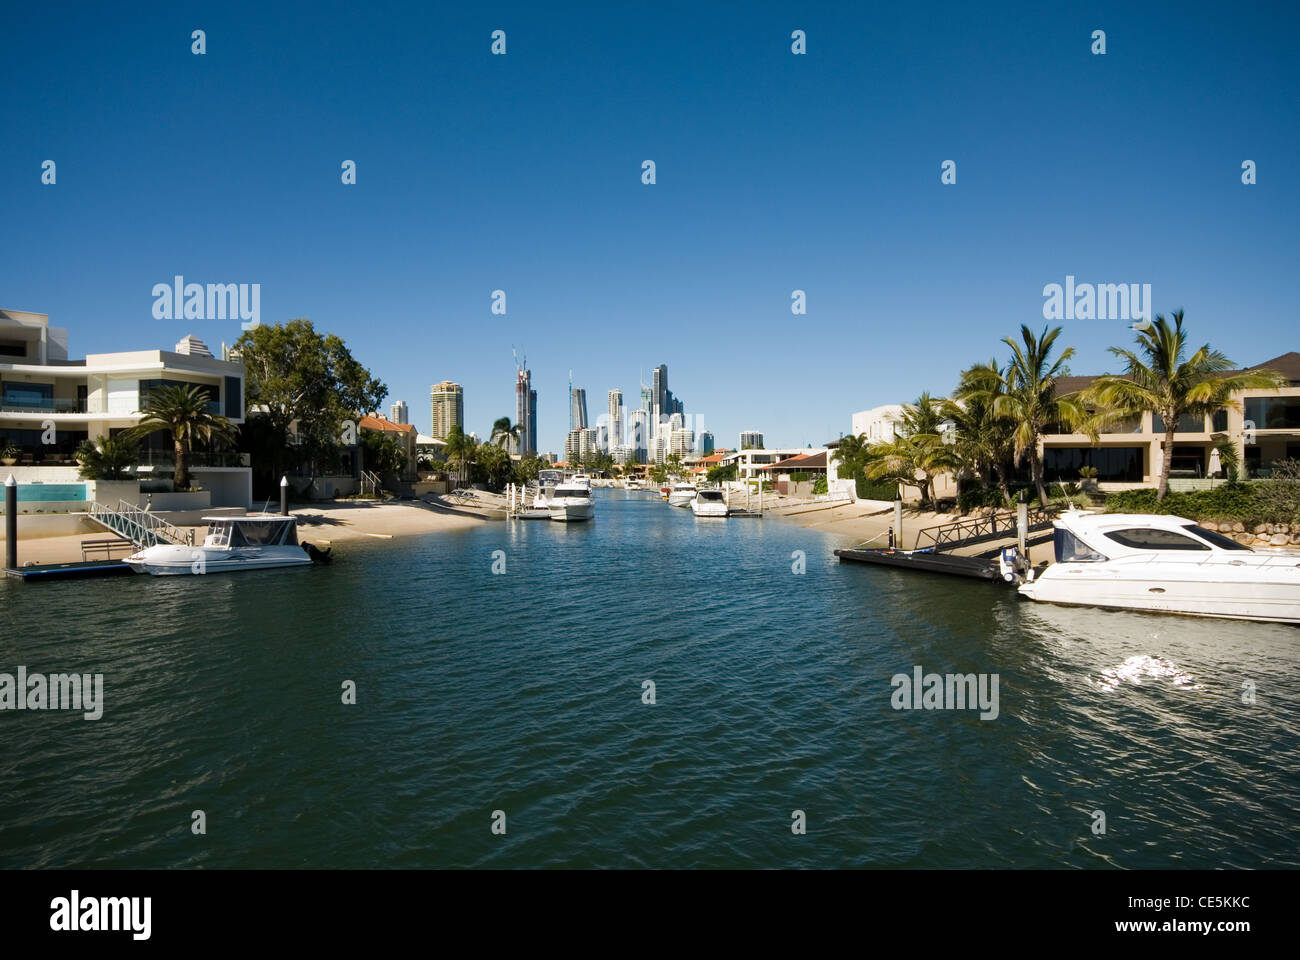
709, 503
571, 500
1165, 564
681, 494
232, 544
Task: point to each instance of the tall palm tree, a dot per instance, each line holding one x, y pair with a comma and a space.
983, 440
1160, 380
1027, 398
504, 432
460, 449
182, 411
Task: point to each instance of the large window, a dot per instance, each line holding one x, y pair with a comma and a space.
1070, 549
1218, 539
1274, 413
147, 387
1187, 423
1152, 538
39, 396
234, 398
1114, 464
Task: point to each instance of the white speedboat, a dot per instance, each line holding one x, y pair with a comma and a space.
571, 500
681, 494
232, 543
1165, 564
709, 503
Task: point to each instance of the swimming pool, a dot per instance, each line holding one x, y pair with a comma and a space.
45, 492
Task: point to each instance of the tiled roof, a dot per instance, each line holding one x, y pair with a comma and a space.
372, 422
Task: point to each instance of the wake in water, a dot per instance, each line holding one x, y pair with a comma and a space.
1134, 669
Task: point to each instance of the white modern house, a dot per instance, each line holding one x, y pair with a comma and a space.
878, 423
50, 404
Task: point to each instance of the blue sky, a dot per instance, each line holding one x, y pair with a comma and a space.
775, 172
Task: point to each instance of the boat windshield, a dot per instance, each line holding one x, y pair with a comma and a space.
710, 495
1070, 549
1218, 539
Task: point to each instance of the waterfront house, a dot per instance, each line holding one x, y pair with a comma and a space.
1264, 426
50, 404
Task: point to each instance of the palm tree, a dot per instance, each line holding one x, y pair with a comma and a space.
1026, 397
182, 411
919, 448
913, 460
983, 441
504, 432
108, 459
461, 450
1159, 380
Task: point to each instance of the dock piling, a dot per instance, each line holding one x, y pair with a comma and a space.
284, 496
11, 523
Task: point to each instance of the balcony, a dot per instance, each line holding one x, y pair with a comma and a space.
198, 458
56, 405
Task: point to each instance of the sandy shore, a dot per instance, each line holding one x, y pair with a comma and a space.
324, 524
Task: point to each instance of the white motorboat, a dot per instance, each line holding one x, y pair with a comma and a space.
1165, 564
571, 500
709, 503
681, 494
259, 542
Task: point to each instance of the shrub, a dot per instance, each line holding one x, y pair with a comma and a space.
1232, 501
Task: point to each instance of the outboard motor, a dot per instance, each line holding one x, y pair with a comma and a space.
1011, 565
318, 556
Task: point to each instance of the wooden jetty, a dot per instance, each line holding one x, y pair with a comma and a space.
981, 568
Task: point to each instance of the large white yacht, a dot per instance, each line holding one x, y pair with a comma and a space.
1165, 564
571, 500
232, 543
709, 503
681, 494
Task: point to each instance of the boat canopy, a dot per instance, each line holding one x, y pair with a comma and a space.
252, 531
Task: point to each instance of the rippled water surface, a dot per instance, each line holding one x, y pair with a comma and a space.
522, 692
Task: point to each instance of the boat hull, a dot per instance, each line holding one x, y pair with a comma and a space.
1268, 595
708, 509
572, 512
680, 499
173, 560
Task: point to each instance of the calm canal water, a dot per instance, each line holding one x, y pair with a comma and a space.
522, 692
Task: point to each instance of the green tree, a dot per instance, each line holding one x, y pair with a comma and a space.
183, 412
1026, 397
504, 432
297, 375
984, 445
493, 465
109, 459
460, 451
384, 454
1161, 380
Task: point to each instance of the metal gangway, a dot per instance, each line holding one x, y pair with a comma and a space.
142, 528
999, 525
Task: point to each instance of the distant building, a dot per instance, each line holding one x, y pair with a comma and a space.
681, 443
398, 412
615, 419
525, 414
578, 409
879, 424
447, 409
752, 462
706, 443
751, 440
638, 434
580, 444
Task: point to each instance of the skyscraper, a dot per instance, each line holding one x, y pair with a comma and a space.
751, 440
706, 442
525, 413
579, 412
398, 412
638, 434
615, 419
446, 409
